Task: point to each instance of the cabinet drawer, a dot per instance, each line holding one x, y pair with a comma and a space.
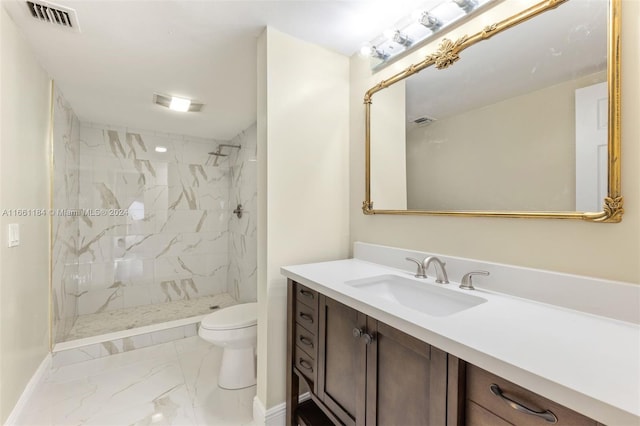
305, 364
307, 296
307, 317
479, 383
306, 341
478, 416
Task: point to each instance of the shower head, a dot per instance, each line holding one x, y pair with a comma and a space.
218, 153
229, 146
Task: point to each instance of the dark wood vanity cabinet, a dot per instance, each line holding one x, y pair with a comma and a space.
360, 371
406, 379
341, 361
372, 374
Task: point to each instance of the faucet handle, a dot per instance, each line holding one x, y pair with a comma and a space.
420, 272
466, 282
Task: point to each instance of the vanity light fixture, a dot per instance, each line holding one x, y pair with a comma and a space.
416, 29
430, 21
176, 103
466, 5
402, 39
373, 51
377, 53
366, 50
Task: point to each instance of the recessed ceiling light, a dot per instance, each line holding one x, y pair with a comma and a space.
176, 103
179, 104
161, 149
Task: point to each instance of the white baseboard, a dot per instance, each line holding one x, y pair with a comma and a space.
36, 379
274, 416
258, 411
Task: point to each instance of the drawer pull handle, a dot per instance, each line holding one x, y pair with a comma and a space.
306, 293
547, 415
306, 341
306, 364
306, 317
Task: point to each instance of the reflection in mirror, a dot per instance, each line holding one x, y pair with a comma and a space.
519, 123
388, 135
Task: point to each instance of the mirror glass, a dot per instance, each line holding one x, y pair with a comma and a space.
519, 123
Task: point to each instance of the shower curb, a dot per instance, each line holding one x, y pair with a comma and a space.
75, 351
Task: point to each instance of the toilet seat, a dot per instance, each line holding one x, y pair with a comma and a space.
233, 317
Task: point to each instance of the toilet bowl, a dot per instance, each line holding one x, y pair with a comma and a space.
235, 330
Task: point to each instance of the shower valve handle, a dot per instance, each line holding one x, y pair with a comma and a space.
238, 211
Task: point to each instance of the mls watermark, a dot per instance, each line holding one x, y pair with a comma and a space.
64, 212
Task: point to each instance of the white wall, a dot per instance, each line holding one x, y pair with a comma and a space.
24, 183
303, 131
600, 250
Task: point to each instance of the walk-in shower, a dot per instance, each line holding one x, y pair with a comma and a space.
160, 243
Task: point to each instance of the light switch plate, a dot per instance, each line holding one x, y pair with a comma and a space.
14, 235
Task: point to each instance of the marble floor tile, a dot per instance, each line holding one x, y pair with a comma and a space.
200, 362
151, 354
169, 384
226, 408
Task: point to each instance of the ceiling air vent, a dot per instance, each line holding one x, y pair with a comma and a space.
424, 121
54, 14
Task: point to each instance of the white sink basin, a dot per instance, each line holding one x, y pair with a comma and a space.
416, 295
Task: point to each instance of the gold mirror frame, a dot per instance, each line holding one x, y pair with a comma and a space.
448, 53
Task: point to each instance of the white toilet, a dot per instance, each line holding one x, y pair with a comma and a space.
235, 330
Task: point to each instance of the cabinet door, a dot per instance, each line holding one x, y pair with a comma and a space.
406, 379
341, 361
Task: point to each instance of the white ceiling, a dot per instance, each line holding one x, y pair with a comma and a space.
204, 50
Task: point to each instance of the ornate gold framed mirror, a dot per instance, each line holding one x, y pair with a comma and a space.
525, 124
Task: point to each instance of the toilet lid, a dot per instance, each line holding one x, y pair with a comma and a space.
236, 316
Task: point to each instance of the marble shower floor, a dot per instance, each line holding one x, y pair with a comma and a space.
140, 316
173, 383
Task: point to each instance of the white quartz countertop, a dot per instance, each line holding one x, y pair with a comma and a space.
588, 363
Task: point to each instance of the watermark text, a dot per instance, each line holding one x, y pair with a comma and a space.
64, 212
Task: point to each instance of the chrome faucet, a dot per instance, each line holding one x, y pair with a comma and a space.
441, 272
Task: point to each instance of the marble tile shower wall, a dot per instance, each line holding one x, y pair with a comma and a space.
243, 238
161, 232
66, 157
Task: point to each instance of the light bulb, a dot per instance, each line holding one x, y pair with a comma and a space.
180, 104
366, 50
